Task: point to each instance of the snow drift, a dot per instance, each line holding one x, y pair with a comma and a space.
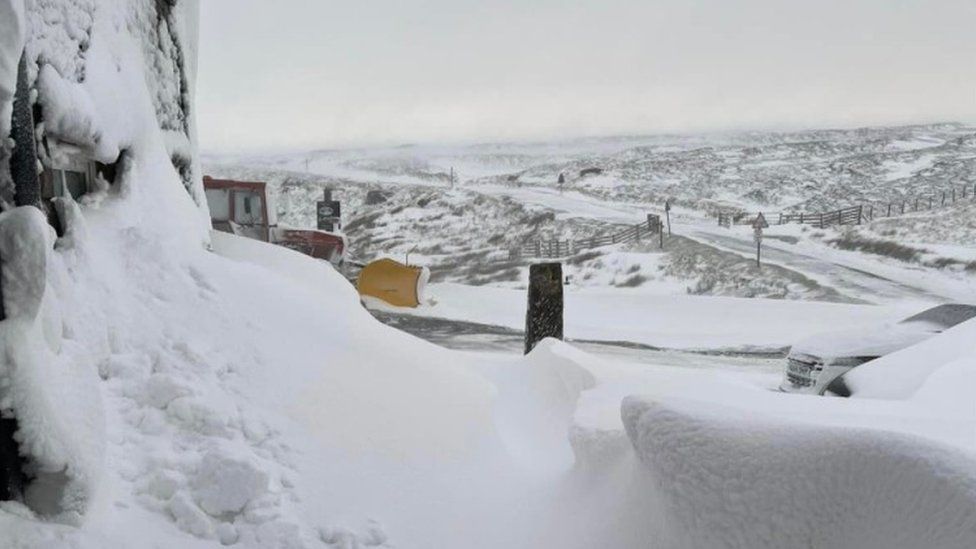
177, 389
736, 479
895, 466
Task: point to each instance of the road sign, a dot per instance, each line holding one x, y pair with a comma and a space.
328, 214
760, 222
757, 232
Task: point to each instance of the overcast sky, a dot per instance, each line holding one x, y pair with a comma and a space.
297, 74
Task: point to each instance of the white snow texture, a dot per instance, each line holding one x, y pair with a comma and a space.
177, 388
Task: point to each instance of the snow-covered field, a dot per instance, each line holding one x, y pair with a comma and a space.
673, 442
178, 387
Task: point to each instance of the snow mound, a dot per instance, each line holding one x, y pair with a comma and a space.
899, 375
44, 382
734, 478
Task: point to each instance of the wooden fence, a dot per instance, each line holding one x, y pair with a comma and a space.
847, 216
855, 215
553, 249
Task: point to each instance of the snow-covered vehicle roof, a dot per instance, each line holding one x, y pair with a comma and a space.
876, 341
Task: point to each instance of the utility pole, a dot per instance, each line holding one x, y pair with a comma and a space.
667, 213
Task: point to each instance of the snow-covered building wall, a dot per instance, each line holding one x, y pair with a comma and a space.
81, 58
105, 89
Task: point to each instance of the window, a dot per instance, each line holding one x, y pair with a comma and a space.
219, 202
248, 209
73, 183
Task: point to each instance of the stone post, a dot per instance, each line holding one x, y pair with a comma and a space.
544, 316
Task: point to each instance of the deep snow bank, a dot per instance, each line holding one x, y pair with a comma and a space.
901, 374
735, 478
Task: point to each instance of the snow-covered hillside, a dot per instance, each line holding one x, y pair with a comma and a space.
508, 194
772, 171
164, 385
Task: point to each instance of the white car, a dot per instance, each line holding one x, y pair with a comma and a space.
817, 365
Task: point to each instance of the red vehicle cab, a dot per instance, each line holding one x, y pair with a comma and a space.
242, 208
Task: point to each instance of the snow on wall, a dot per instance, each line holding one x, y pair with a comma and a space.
106, 50
88, 69
12, 35
11, 44
51, 391
735, 478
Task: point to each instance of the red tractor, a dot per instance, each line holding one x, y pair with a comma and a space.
242, 208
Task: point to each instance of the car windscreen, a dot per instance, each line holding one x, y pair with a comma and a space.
944, 317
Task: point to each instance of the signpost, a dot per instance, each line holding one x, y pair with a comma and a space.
667, 212
329, 215
757, 227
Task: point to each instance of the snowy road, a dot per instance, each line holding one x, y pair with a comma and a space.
470, 336
571, 203
857, 283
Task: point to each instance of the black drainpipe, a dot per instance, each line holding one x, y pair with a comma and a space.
27, 192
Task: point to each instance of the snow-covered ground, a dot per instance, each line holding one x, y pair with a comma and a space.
664, 321
704, 455
176, 387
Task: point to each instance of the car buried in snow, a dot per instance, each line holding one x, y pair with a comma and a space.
816, 366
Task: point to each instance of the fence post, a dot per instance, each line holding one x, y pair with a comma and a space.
943, 198
931, 200
544, 313
953, 195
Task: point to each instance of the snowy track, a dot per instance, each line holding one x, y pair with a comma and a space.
854, 282
857, 283
469, 336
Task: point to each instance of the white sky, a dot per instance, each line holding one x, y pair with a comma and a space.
297, 74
